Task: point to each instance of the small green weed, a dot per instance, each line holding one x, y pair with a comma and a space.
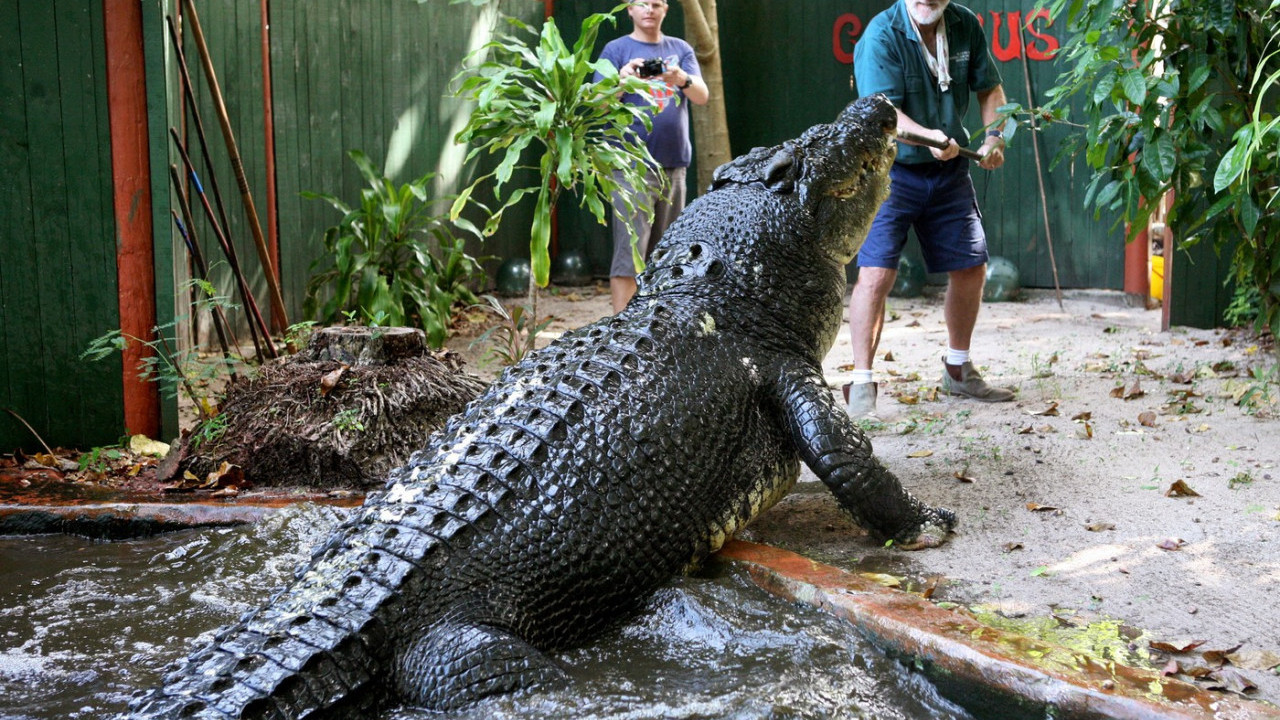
1241, 480
515, 334
348, 420
99, 459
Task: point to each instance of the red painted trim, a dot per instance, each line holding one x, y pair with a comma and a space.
131, 179
1137, 280
273, 222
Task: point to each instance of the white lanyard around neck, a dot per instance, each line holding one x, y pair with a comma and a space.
938, 62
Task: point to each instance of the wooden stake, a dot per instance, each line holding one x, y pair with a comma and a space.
260, 243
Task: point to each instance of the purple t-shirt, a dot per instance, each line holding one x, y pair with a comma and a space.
669, 140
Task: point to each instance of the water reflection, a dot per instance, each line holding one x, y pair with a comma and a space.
83, 624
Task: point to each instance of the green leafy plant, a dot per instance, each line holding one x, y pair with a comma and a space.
1179, 97
514, 336
209, 430
99, 459
173, 369
349, 420
535, 95
391, 259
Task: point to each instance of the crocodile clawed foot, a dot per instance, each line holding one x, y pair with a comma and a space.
932, 532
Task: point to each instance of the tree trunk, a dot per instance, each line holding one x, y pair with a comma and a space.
710, 124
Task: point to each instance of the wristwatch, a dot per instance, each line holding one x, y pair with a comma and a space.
688, 81
995, 133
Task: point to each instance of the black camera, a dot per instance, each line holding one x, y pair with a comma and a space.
652, 67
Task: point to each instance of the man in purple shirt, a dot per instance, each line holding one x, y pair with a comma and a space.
680, 80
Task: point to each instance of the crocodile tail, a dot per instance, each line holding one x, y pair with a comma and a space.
310, 652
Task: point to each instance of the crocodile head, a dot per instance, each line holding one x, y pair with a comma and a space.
837, 172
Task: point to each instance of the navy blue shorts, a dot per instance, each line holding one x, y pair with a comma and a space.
936, 199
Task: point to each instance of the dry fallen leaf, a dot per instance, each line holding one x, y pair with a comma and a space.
920, 453
1180, 489
962, 476
1135, 391
883, 579
1099, 526
1171, 544
1218, 657
1026, 430
1176, 646
1037, 507
930, 586
1254, 659
1082, 416
1147, 418
1231, 680
888, 356
330, 380
1052, 410
1010, 547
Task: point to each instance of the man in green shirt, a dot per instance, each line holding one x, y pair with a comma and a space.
927, 56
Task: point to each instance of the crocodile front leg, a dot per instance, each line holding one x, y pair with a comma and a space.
840, 455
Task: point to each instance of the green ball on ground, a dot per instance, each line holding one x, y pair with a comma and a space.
1003, 281
911, 278
513, 277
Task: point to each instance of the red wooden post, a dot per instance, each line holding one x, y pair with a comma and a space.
131, 179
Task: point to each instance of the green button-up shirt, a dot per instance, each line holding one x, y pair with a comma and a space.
889, 59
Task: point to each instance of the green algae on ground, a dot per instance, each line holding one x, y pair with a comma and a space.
1101, 637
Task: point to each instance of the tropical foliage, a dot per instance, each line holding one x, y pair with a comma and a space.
391, 260
537, 98
1182, 97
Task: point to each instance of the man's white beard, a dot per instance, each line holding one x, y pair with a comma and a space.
926, 17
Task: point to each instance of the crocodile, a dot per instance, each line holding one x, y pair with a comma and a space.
595, 469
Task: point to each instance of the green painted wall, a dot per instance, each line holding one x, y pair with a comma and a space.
57, 248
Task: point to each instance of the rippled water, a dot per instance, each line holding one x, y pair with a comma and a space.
83, 624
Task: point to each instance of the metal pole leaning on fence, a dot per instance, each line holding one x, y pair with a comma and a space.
256, 323
189, 92
188, 231
260, 242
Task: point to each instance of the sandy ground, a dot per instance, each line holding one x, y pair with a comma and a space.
1071, 524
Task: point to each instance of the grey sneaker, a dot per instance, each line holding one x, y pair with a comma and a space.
971, 385
860, 400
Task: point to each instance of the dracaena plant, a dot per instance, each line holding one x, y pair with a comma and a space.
392, 260
538, 106
1181, 96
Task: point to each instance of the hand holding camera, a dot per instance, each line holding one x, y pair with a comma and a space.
652, 67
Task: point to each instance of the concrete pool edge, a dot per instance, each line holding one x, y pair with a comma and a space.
985, 664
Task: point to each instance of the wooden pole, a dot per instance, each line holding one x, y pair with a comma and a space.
278, 314
131, 180
1035, 149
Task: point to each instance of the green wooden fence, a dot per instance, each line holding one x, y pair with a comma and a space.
57, 248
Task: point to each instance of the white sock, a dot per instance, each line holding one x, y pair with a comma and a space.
861, 377
957, 357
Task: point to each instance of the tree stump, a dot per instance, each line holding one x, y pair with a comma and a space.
344, 412
359, 345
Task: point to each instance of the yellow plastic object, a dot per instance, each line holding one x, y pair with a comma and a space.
1157, 277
